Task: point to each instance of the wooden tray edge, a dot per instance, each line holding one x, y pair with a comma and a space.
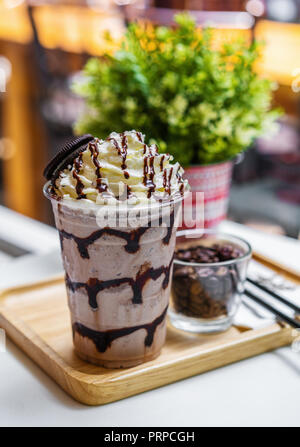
30, 286
280, 268
82, 389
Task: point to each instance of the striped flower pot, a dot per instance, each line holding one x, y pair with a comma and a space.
214, 182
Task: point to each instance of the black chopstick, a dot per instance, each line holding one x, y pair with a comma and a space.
275, 295
282, 316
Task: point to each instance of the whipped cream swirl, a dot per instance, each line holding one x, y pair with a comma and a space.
122, 167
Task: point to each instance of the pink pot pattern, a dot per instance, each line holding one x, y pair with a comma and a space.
214, 181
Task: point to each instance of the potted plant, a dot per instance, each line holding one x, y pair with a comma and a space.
200, 102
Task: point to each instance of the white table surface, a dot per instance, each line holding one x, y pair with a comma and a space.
260, 391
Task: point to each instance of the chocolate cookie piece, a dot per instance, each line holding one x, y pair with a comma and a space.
66, 155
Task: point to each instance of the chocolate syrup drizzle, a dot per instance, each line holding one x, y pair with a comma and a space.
102, 187
94, 285
149, 175
140, 137
167, 180
103, 340
180, 181
122, 151
76, 172
123, 154
132, 239
167, 237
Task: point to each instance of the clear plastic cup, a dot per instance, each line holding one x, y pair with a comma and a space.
118, 278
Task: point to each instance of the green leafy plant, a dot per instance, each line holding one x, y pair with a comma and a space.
200, 103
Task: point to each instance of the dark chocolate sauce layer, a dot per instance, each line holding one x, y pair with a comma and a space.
132, 238
103, 340
167, 237
93, 286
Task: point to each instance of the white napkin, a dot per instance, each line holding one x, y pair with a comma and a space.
283, 250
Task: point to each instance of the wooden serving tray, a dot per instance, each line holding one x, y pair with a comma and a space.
36, 318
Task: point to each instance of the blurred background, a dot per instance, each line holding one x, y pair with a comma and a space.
44, 45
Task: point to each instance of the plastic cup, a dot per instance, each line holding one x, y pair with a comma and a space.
118, 277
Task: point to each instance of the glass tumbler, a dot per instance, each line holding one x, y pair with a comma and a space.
205, 296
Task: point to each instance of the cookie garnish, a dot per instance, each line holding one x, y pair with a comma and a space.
66, 156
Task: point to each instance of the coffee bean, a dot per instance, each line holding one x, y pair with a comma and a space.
196, 287
204, 272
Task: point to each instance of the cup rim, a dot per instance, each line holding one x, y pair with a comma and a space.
92, 206
238, 239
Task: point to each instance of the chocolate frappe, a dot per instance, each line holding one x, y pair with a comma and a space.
117, 206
